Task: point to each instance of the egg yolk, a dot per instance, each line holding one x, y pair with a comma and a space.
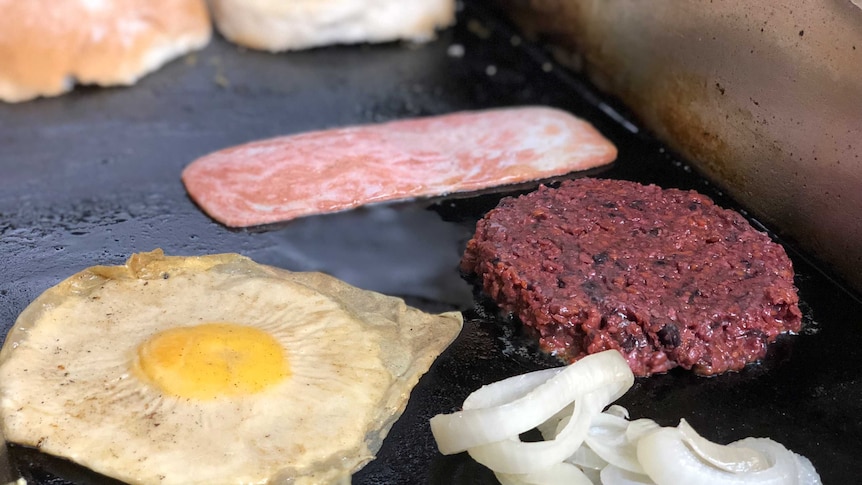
210, 360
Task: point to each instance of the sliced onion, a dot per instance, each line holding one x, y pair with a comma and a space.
612, 475
507, 390
667, 459
806, 473
517, 457
583, 445
639, 428
728, 458
587, 459
558, 474
474, 426
618, 411
607, 438
489, 406
552, 427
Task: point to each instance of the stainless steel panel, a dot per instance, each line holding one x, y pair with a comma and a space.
765, 98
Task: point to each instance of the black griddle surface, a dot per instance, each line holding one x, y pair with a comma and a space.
91, 177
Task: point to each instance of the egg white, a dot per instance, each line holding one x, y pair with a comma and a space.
68, 385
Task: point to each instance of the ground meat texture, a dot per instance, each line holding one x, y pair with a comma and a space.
663, 275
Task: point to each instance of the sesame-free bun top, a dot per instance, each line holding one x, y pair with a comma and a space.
46, 47
278, 25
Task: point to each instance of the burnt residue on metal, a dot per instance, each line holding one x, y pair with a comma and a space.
92, 177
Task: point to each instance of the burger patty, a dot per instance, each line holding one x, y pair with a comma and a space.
663, 275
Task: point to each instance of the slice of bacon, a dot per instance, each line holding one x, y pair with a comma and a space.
283, 178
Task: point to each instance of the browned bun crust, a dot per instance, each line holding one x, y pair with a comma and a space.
47, 46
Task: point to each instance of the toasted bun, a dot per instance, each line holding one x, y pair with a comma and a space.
46, 46
278, 25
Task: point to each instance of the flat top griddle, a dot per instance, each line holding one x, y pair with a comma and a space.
91, 177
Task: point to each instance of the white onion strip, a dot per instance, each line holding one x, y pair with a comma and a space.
507, 390
668, 460
728, 458
559, 474
608, 439
514, 456
612, 475
584, 445
479, 425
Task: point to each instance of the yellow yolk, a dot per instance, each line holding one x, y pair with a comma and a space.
211, 360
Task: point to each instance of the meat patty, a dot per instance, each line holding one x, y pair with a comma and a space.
663, 275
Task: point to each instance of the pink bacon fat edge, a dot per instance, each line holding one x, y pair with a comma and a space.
282, 178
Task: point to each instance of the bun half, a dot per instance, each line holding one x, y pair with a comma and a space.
46, 46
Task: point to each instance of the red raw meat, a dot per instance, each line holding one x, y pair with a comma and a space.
283, 178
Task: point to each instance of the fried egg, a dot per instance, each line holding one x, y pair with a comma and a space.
213, 369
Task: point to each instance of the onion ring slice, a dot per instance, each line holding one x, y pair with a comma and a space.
728, 458
475, 426
559, 474
583, 445
517, 457
668, 460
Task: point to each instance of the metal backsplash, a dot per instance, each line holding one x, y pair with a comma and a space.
765, 98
